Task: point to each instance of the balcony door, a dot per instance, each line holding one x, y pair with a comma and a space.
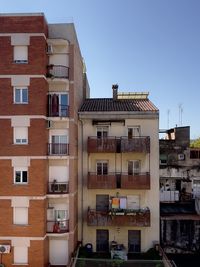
134, 241
133, 131
134, 167
59, 144
102, 167
102, 202
102, 132
58, 105
102, 240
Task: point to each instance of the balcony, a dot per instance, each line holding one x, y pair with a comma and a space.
58, 111
138, 218
135, 144
58, 227
135, 181
106, 145
118, 180
58, 187
106, 181
55, 149
57, 71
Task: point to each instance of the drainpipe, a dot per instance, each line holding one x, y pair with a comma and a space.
82, 213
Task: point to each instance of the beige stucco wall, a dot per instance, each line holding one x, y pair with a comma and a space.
118, 162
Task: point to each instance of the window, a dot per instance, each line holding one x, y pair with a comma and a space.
21, 176
61, 217
102, 167
20, 255
59, 145
133, 167
21, 54
21, 135
133, 131
20, 95
20, 215
102, 132
58, 105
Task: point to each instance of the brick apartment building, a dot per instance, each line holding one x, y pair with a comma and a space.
41, 88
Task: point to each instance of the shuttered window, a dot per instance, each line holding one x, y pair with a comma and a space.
20, 215
21, 54
20, 255
21, 135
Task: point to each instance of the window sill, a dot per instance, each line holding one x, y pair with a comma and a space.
19, 264
20, 61
19, 144
20, 103
20, 184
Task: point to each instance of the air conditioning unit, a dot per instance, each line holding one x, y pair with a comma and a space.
49, 124
49, 49
181, 156
5, 249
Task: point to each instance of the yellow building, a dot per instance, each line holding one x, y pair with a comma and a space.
119, 173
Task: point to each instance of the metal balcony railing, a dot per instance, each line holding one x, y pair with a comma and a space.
119, 217
103, 181
135, 144
57, 71
58, 187
119, 180
106, 144
135, 181
114, 144
59, 111
58, 149
61, 226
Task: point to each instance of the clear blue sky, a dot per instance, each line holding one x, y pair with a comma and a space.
143, 45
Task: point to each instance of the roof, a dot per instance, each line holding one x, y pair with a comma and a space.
109, 104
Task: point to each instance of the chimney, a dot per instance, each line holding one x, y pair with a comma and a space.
115, 91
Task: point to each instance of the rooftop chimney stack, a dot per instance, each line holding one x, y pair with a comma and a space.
115, 91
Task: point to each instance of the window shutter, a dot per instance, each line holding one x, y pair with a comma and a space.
21, 215
20, 255
21, 53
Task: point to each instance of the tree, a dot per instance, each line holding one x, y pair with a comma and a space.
195, 143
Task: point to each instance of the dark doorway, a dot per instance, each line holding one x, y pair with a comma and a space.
102, 240
134, 241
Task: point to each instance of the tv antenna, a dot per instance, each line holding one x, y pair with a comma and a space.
180, 109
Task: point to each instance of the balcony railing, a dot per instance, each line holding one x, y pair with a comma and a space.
106, 181
108, 144
57, 71
135, 181
118, 180
58, 111
58, 149
135, 144
114, 144
139, 218
58, 188
61, 226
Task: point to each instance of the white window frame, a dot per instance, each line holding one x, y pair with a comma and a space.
20, 141
135, 171
103, 130
24, 58
20, 255
102, 162
21, 170
17, 220
136, 131
21, 88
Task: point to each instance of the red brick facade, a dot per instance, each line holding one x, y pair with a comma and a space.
34, 114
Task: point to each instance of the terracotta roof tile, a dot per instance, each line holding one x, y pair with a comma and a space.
108, 104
